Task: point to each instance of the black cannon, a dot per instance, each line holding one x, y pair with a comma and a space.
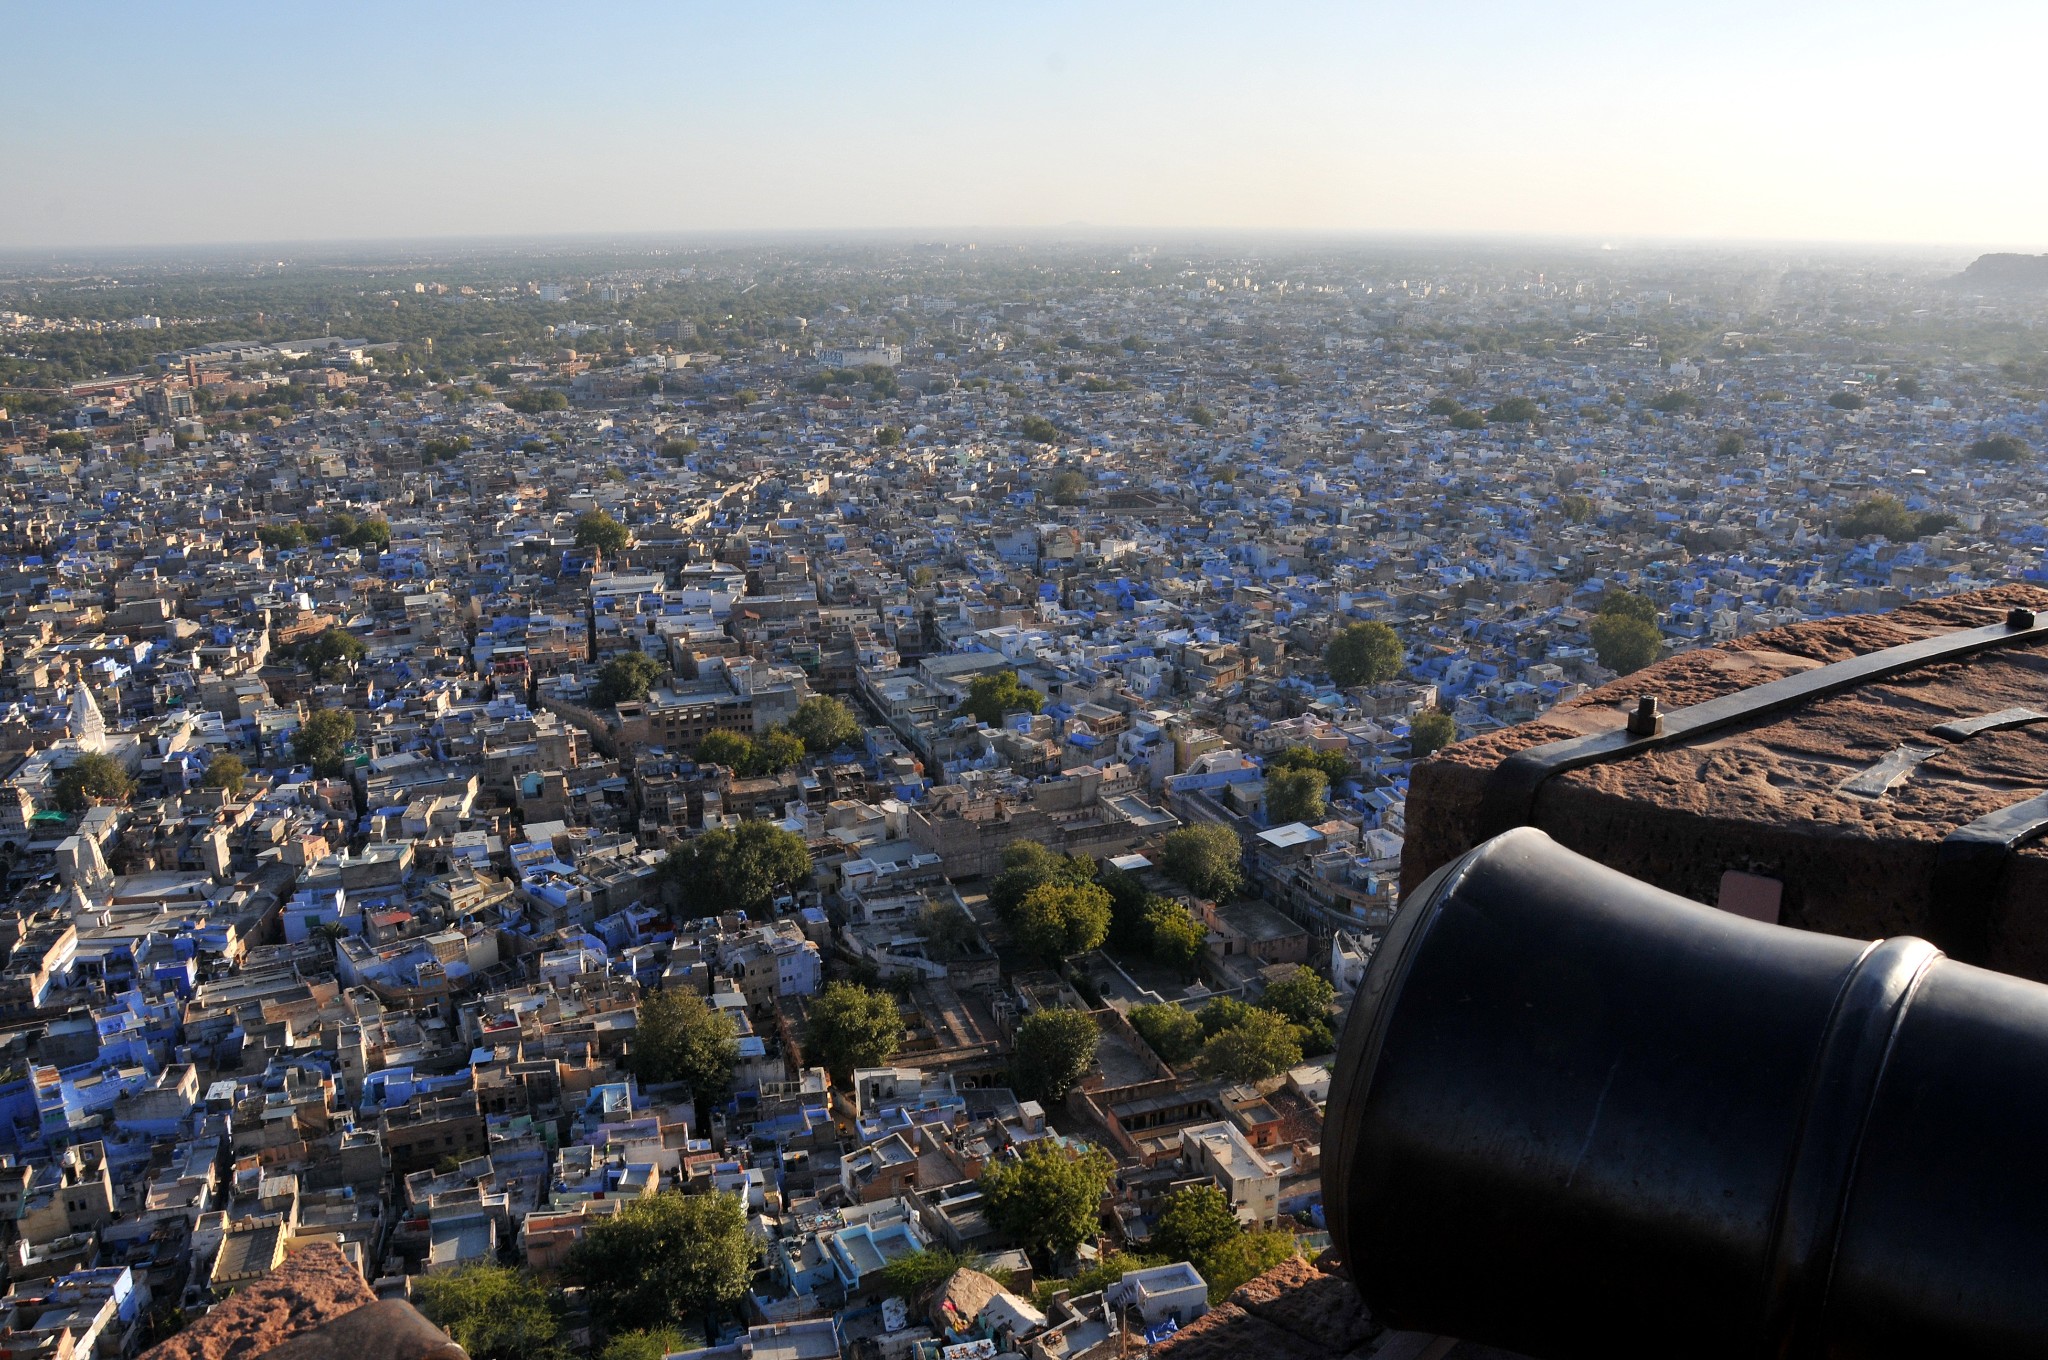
1575, 1115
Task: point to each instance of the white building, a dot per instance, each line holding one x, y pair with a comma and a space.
1222, 1152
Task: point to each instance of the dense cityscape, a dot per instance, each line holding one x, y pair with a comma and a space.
824, 800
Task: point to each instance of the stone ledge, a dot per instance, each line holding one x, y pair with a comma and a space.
314, 1286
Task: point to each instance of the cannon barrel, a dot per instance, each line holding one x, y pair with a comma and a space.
1575, 1115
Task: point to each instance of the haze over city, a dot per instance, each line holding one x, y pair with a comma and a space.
940, 682
139, 124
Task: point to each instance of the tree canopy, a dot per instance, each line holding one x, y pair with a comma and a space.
1304, 1000
1039, 429
851, 1026
493, 1312
679, 1037
1054, 1050
1888, 516
1256, 1044
2001, 448
1045, 1198
1846, 401
738, 869
1514, 411
1205, 858
1624, 632
625, 677
1430, 731
331, 647
94, 777
597, 529
1364, 654
991, 696
822, 723
664, 1260
1028, 865
226, 771
1060, 920
321, 741
1296, 795
1175, 1032
1333, 764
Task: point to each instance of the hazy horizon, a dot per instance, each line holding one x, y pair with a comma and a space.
1900, 126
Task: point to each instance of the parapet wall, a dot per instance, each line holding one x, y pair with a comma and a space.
1763, 797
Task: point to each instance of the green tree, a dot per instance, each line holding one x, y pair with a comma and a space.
1468, 420
282, 535
677, 450
1028, 865
1624, 643
850, 1027
1332, 763
94, 778
738, 869
1204, 858
778, 749
625, 677
1258, 1044
1578, 509
1176, 937
665, 1259
1202, 416
1879, 514
332, 647
597, 529
2001, 448
1429, 732
1045, 1198
1729, 445
1304, 998
1674, 401
654, 1345
1629, 605
349, 532
888, 436
1174, 1032
321, 741
1128, 902
493, 1312
908, 1276
1906, 386
1193, 1220
822, 723
678, 1036
1067, 487
226, 771
1364, 654
729, 749
1054, 1050
1514, 411
1444, 406
1846, 401
1060, 920
991, 696
1238, 1260
1039, 428
1296, 796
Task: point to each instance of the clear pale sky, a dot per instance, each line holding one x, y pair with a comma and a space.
213, 122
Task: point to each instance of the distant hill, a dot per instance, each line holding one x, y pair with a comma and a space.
2004, 273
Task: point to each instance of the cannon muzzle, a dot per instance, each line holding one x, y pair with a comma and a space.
1578, 1116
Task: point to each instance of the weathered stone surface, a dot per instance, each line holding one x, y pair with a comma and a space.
1230, 1333
1298, 1298
1763, 798
315, 1285
390, 1329
1295, 1310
